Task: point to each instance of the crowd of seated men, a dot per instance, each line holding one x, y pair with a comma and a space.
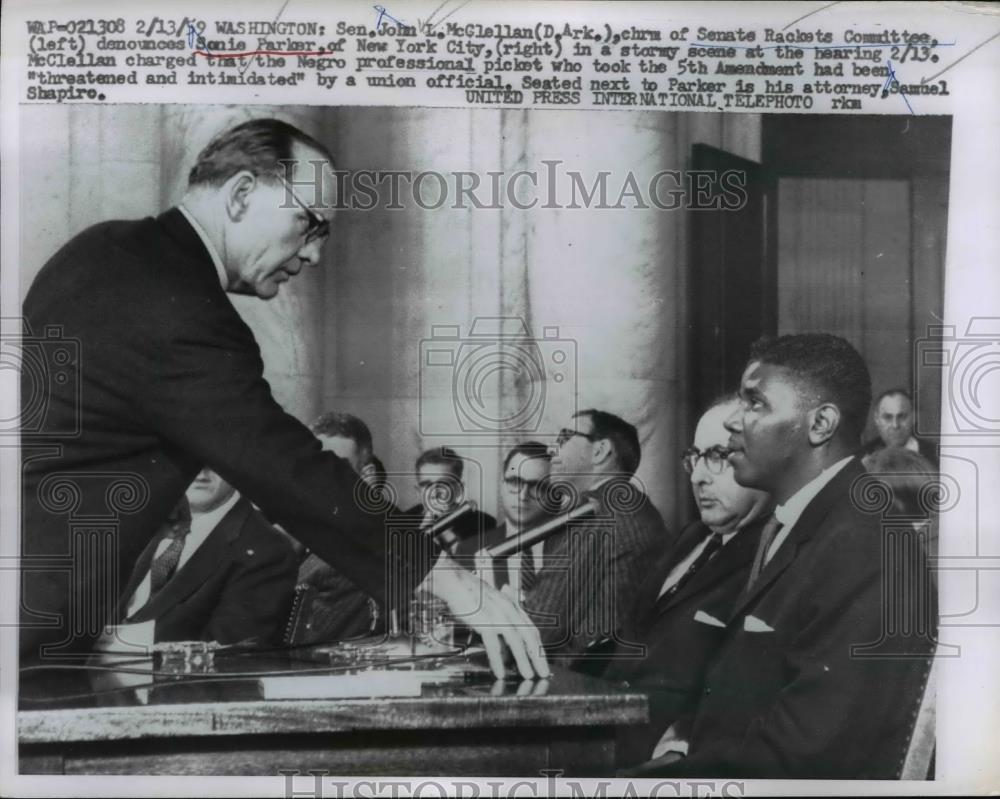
759, 632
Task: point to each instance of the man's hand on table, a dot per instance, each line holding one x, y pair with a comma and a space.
491, 614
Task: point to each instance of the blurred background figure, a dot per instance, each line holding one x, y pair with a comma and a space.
893, 417
439, 478
913, 481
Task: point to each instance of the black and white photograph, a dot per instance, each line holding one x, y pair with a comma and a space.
374, 445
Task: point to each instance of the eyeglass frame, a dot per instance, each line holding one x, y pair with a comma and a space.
565, 434
318, 226
515, 485
717, 453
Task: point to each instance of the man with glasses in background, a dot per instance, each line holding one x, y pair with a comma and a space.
683, 605
592, 568
525, 470
170, 380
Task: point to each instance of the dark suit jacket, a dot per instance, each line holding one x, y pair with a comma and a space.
677, 647
787, 695
169, 380
237, 585
592, 570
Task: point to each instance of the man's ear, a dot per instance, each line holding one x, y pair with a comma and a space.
237, 191
601, 451
823, 423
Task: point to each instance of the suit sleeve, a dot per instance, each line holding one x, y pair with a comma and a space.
586, 592
843, 695
208, 398
257, 597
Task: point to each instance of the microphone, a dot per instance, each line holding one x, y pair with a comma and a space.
528, 539
439, 529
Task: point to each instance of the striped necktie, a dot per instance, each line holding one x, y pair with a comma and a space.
165, 564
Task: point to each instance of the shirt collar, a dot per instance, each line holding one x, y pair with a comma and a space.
912, 445
213, 253
789, 513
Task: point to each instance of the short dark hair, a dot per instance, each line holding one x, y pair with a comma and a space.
347, 425
892, 392
258, 146
442, 455
623, 437
530, 449
830, 367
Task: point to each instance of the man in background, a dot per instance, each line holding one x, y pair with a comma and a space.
439, 478
893, 416
592, 569
682, 606
218, 572
525, 471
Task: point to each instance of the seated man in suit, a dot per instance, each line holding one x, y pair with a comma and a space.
821, 671
439, 478
525, 471
216, 572
592, 568
893, 416
681, 607
328, 606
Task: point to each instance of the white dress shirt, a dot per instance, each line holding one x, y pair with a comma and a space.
789, 513
202, 525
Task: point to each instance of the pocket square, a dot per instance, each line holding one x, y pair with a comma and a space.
706, 618
754, 625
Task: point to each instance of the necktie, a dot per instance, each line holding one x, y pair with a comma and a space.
766, 539
527, 570
714, 545
164, 565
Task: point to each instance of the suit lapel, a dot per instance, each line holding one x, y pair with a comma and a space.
204, 563
138, 573
736, 554
838, 489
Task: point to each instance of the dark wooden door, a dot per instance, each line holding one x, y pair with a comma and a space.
732, 285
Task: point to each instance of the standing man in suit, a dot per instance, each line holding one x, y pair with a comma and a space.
586, 587
893, 416
681, 607
525, 471
439, 478
218, 573
170, 380
813, 680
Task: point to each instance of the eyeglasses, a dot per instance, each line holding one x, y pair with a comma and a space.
515, 485
318, 226
715, 458
566, 434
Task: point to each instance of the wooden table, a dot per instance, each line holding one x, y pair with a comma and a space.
462, 723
